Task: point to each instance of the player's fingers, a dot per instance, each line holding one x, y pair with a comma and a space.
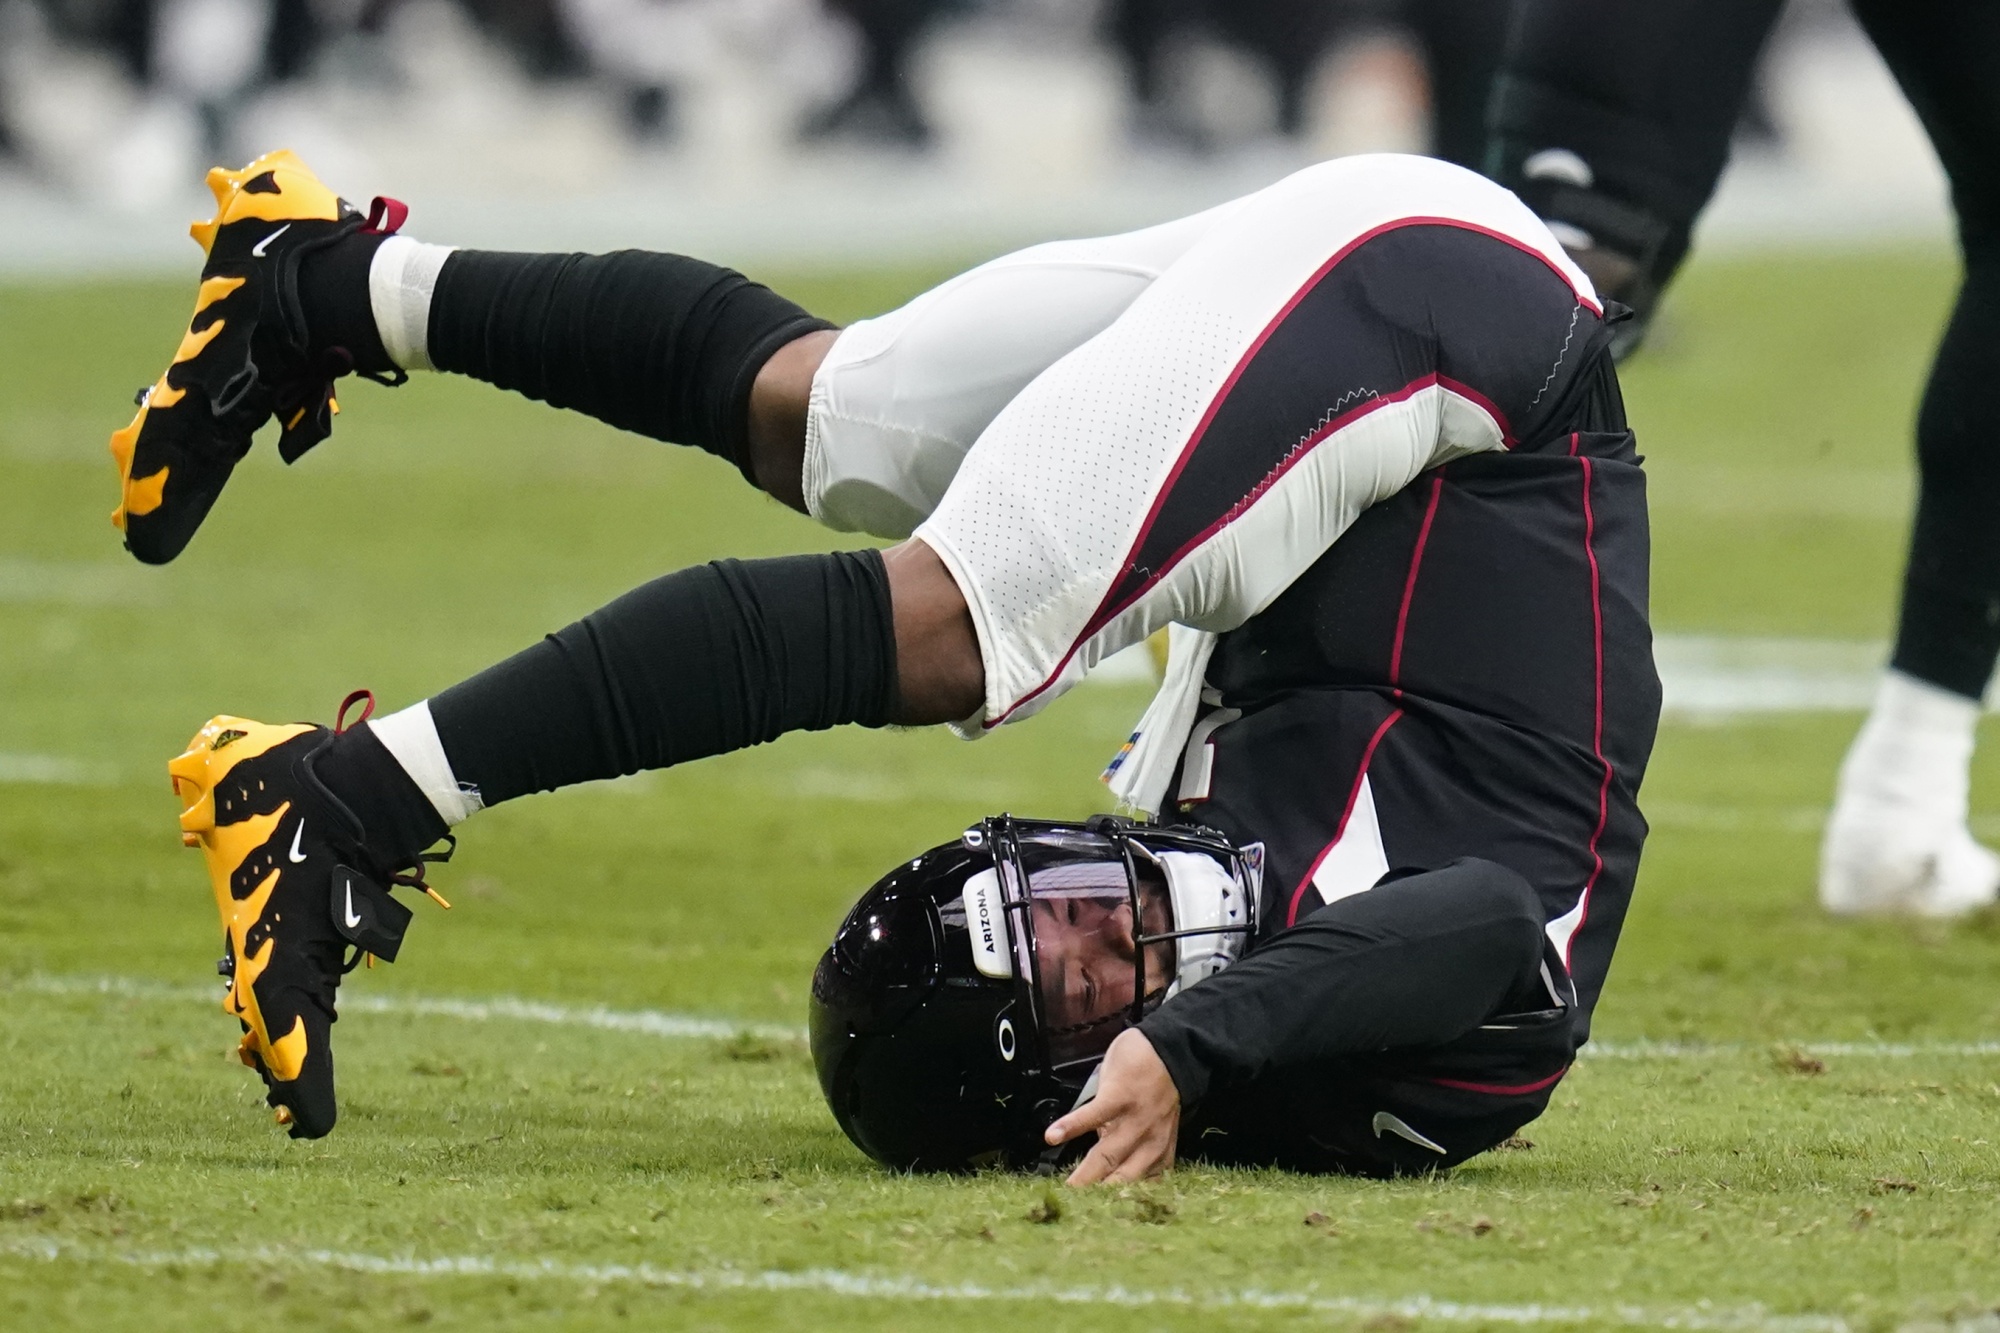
1114, 1145
1091, 1115
1098, 1163
1143, 1160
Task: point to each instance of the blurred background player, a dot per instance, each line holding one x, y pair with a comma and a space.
160, 86
1613, 121
1457, 42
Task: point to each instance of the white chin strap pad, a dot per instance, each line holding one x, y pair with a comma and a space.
1204, 895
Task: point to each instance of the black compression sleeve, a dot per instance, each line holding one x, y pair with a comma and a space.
1415, 962
704, 661
658, 344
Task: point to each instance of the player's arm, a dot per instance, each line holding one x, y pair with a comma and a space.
1415, 962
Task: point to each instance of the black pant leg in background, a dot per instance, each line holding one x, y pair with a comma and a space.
1462, 41
1646, 93
1946, 56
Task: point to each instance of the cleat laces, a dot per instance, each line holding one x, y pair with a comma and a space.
410, 875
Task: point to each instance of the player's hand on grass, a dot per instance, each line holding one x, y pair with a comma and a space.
1136, 1115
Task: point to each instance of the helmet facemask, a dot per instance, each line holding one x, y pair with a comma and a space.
1098, 926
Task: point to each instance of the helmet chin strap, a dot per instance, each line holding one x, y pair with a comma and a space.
1205, 897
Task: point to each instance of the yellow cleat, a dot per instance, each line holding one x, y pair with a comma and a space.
296, 888
244, 358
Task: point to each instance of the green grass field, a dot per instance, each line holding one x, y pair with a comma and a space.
1789, 1122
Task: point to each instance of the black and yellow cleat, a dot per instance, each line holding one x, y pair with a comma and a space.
302, 900
245, 358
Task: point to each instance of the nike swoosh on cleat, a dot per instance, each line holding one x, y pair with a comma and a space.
1383, 1120
257, 250
297, 834
353, 920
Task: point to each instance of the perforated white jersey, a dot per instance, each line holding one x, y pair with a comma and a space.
1220, 398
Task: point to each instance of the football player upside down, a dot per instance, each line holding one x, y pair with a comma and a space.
1356, 438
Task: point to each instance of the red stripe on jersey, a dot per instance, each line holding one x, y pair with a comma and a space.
1410, 586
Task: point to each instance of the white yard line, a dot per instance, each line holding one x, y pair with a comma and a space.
1643, 1049
54, 770
1700, 817
645, 1022
76, 583
1705, 679
672, 1026
1712, 676
877, 1287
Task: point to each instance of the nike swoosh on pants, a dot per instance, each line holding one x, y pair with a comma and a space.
1383, 1120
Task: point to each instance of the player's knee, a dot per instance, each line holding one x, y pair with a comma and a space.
1502, 899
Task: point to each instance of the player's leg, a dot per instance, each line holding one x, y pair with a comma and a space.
1313, 353
1207, 326
863, 430
1613, 122
657, 343
900, 398
1898, 838
305, 828
299, 290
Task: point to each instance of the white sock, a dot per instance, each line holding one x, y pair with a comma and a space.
1915, 750
401, 278
412, 738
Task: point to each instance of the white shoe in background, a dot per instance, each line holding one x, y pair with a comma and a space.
1878, 859
1897, 841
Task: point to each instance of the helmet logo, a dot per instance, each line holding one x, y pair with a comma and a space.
986, 919
1004, 1034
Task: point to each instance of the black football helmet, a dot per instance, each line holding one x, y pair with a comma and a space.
969, 997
